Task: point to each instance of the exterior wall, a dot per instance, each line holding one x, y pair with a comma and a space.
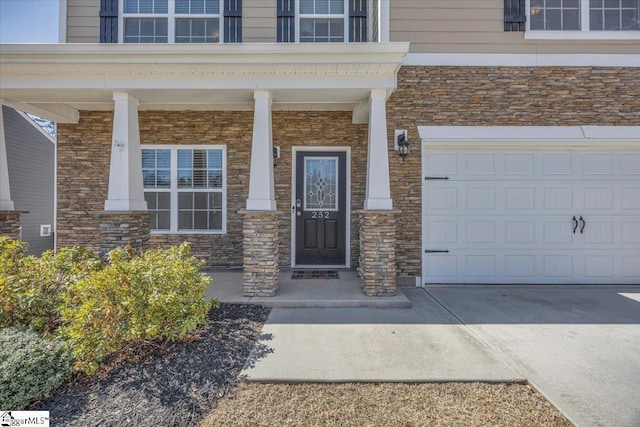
494, 96
83, 21
259, 21
83, 171
477, 26
30, 157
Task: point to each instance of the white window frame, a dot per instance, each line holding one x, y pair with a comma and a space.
583, 34
171, 20
344, 17
174, 190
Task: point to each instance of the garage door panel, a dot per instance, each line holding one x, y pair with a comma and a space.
629, 164
507, 217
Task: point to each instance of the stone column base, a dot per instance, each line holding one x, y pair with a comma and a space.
119, 228
261, 254
10, 224
378, 252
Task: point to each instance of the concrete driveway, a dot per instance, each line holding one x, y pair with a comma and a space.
579, 346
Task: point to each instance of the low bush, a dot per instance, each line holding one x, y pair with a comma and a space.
32, 289
157, 295
30, 366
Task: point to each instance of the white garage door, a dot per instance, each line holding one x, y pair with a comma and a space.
500, 216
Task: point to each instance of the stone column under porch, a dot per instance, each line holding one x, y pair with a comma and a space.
121, 228
377, 259
261, 256
10, 224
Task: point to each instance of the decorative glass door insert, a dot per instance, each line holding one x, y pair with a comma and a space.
321, 184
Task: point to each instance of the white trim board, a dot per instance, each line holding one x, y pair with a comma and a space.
522, 60
532, 137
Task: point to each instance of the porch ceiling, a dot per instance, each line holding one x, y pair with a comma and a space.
299, 76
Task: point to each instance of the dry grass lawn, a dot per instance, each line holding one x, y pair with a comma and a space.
447, 404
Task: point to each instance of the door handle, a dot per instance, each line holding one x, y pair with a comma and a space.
584, 223
575, 224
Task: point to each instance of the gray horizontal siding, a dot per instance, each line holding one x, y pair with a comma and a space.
30, 157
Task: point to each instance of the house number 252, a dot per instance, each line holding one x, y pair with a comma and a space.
319, 215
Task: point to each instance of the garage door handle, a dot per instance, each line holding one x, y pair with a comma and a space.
575, 224
584, 223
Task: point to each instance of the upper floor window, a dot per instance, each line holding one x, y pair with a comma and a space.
171, 21
322, 20
584, 15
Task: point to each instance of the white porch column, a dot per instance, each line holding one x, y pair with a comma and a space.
378, 193
261, 183
6, 204
125, 173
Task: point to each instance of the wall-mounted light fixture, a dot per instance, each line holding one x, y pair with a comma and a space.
276, 156
401, 144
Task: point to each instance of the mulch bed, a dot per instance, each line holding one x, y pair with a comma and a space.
170, 384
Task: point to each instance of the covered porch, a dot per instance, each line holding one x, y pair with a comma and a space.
133, 84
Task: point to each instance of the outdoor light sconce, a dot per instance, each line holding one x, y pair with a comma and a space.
276, 156
401, 144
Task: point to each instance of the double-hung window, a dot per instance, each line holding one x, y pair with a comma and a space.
589, 18
322, 20
185, 188
171, 21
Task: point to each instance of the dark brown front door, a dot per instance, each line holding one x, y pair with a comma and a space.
321, 194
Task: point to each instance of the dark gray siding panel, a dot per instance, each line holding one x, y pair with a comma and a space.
30, 157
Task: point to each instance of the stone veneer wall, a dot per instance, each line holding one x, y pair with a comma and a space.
377, 230
83, 171
10, 224
494, 96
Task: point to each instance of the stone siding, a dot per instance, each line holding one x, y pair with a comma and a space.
261, 256
377, 231
494, 96
118, 229
10, 224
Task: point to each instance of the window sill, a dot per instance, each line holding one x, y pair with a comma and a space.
582, 35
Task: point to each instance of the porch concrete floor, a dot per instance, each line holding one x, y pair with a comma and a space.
300, 293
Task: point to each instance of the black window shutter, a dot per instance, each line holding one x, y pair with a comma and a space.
515, 15
232, 21
286, 21
108, 21
358, 20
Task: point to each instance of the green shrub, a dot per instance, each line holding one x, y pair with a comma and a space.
32, 289
157, 295
30, 366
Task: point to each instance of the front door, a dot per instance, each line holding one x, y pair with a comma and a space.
320, 208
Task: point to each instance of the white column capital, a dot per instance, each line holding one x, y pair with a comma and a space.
378, 94
124, 96
261, 94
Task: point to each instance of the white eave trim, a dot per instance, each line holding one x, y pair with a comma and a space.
244, 53
531, 137
522, 60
